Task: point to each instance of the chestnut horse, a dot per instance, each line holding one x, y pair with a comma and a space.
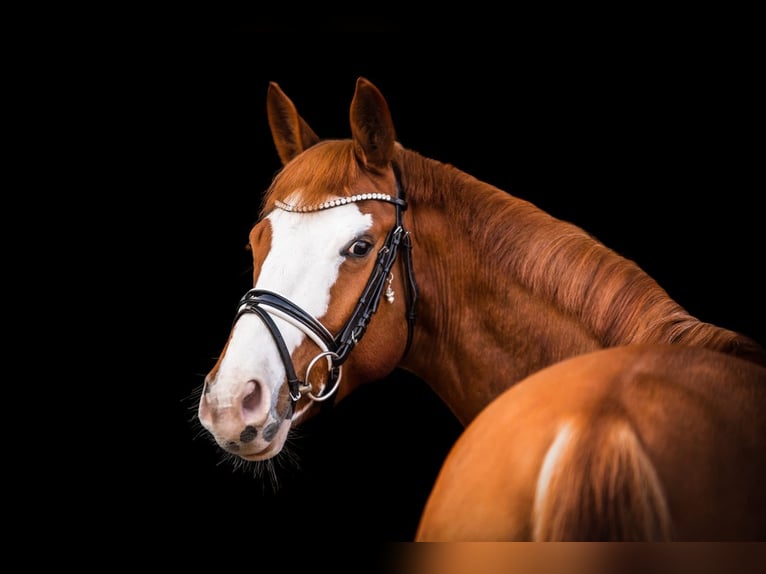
595, 406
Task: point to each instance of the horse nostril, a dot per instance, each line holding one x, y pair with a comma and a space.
253, 397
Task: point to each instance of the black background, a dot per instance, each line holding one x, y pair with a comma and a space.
645, 135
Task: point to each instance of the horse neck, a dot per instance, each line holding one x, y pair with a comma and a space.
505, 290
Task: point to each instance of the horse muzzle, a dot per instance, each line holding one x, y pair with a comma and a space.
247, 424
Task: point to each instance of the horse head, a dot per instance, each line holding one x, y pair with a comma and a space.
330, 251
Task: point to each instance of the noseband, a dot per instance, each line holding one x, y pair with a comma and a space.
336, 349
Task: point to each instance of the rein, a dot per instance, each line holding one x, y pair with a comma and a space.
336, 349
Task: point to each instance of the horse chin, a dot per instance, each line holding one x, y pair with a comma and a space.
292, 418
271, 448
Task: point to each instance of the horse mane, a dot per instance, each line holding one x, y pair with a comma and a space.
608, 293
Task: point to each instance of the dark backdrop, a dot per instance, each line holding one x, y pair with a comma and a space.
643, 137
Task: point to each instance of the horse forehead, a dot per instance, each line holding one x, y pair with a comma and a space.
309, 244
338, 224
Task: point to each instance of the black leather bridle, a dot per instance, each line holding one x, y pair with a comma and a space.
336, 349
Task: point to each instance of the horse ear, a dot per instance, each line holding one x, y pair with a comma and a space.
371, 126
290, 131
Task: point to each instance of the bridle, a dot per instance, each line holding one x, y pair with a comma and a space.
336, 349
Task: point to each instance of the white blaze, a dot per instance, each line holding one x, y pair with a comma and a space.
302, 265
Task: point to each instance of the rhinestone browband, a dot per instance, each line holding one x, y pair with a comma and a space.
335, 202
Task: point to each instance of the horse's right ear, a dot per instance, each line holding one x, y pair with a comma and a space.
371, 126
291, 133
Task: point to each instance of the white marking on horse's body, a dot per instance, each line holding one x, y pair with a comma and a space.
302, 265
552, 458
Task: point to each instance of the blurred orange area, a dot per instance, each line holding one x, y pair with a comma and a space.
578, 558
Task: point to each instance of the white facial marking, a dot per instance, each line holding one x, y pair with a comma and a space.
302, 265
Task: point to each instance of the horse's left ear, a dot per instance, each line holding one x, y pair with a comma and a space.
371, 126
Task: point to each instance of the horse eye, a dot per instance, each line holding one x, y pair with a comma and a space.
359, 248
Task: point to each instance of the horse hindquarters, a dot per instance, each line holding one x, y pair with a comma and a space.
635, 443
593, 482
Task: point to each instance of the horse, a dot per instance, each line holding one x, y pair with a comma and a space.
594, 406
